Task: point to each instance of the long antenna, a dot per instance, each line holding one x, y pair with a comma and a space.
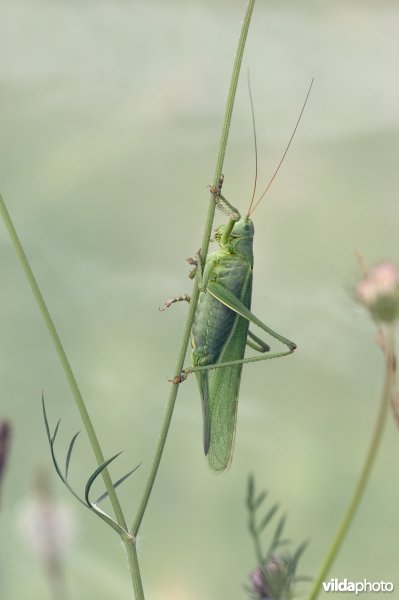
252, 208
255, 140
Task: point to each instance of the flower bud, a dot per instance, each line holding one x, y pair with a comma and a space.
379, 292
274, 567
258, 582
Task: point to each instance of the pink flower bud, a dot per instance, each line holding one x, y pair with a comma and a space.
379, 291
273, 567
258, 581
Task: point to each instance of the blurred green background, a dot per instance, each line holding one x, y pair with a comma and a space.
110, 121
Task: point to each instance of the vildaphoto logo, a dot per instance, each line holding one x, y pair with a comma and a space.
357, 587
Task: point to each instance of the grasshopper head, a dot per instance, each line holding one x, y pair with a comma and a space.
241, 238
244, 228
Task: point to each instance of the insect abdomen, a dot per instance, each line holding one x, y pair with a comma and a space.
213, 320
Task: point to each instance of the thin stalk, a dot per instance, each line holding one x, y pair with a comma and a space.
64, 361
57, 582
388, 387
134, 569
195, 294
256, 541
227, 121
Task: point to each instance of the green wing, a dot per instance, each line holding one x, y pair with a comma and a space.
224, 385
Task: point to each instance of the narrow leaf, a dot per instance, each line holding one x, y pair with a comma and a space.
100, 513
53, 457
107, 519
251, 490
69, 454
45, 419
115, 485
95, 474
277, 534
280, 527
259, 500
267, 518
55, 431
298, 553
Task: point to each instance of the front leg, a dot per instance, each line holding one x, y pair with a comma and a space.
183, 297
223, 204
168, 303
203, 274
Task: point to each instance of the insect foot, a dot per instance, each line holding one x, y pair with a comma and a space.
168, 303
178, 378
193, 272
215, 191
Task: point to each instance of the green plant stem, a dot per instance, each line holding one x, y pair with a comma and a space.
131, 551
257, 545
64, 361
388, 389
195, 294
204, 249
